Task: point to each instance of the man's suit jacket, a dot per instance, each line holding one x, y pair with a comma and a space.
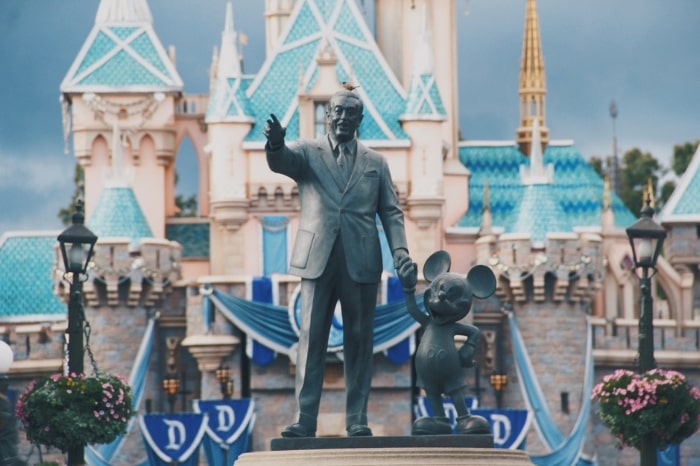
329, 208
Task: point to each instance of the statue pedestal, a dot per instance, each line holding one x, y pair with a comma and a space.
474, 450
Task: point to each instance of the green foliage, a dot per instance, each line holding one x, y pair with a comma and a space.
68, 411
682, 155
636, 170
66, 214
657, 403
666, 190
187, 207
597, 164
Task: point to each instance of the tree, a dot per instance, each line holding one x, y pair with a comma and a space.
187, 207
682, 155
666, 190
66, 214
636, 170
597, 164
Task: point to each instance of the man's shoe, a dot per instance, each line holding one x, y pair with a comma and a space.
437, 425
359, 430
297, 430
469, 424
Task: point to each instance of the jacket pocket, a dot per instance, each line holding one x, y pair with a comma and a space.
302, 248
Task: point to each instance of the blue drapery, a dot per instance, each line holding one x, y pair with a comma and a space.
563, 451
173, 438
228, 428
270, 324
274, 239
262, 292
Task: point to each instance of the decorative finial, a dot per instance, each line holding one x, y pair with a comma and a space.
79, 214
649, 193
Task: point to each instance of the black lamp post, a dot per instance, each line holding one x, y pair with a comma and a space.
646, 239
77, 243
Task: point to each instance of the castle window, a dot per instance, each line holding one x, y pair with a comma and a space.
320, 108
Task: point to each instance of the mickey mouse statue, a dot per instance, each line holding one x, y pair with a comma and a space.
438, 362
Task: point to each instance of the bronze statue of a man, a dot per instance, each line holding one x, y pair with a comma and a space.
343, 186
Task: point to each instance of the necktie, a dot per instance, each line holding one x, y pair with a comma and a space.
344, 163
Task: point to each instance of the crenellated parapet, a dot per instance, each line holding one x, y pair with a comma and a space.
123, 272
568, 267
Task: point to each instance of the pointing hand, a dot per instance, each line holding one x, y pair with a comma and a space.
274, 132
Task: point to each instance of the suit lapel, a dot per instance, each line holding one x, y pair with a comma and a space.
359, 168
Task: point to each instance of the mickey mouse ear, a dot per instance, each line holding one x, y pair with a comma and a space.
482, 281
439, 262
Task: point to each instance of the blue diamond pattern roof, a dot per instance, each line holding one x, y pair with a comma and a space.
537, 213
26, 265
229, 102
424, 99
122, 57
339, 25
684, 204
118, 214
576, 194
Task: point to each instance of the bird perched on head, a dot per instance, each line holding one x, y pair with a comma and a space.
349, 86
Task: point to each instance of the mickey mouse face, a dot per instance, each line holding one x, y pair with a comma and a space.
449, 299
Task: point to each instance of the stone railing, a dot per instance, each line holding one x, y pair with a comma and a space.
616, 341
192, 105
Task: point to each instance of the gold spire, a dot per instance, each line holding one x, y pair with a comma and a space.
649, 193
533, 89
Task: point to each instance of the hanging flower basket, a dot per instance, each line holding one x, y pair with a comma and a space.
65, 411
658, 402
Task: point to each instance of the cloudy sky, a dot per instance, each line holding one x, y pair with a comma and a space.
641, 53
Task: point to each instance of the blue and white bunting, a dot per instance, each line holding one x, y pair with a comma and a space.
173, 437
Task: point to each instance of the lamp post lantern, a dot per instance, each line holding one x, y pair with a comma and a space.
77, 243
171, 386
646, 238
223, 376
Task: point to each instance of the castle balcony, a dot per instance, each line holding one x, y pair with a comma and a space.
192, 105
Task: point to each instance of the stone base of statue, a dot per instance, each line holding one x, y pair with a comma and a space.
474, 450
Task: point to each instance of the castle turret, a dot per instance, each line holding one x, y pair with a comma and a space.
276, 16
229, 119
422, 119
123, 75
396, 25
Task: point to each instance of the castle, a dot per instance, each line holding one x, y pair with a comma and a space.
212, 291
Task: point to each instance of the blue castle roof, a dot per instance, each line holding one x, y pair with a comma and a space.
573, 200
337, 26
122, 54
684, 204
424, 101
118, 214
26, 265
